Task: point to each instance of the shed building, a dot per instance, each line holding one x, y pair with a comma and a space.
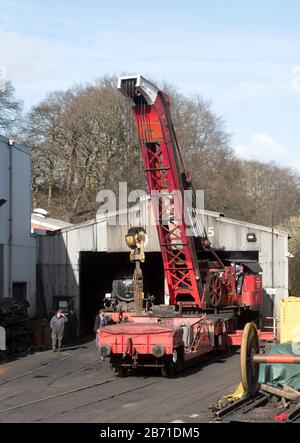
78, 264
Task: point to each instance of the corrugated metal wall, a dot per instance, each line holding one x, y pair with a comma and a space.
59, 254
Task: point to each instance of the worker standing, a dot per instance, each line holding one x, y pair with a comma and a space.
100, 322
72, 325
57, 324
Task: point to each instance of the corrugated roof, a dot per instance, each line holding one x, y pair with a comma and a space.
47, 223
103, 218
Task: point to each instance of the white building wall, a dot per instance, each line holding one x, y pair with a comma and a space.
23, 245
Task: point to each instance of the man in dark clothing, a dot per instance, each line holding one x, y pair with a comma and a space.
72, 325
57, 324
50, 315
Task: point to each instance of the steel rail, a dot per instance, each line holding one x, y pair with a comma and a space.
126, 391
61, 394
34, 370
91, 363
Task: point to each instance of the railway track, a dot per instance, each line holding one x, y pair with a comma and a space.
74, 391
61, 394
75, 371
186, 370
107, 397
207, 359
67, 392
14, 395
75, 404
40, 368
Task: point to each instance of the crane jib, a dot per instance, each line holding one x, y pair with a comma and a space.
164, 168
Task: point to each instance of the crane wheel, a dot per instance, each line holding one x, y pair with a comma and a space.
249, 370
214, 291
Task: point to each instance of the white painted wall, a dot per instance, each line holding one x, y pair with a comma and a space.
23, 245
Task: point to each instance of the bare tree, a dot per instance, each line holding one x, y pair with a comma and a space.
292, 226
81, 142
205, 143
269, 192
84, 139
10, 108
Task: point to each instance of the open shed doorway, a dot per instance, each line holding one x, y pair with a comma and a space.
97, 270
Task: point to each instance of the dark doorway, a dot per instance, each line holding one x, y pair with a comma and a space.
19, 290
97, 270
